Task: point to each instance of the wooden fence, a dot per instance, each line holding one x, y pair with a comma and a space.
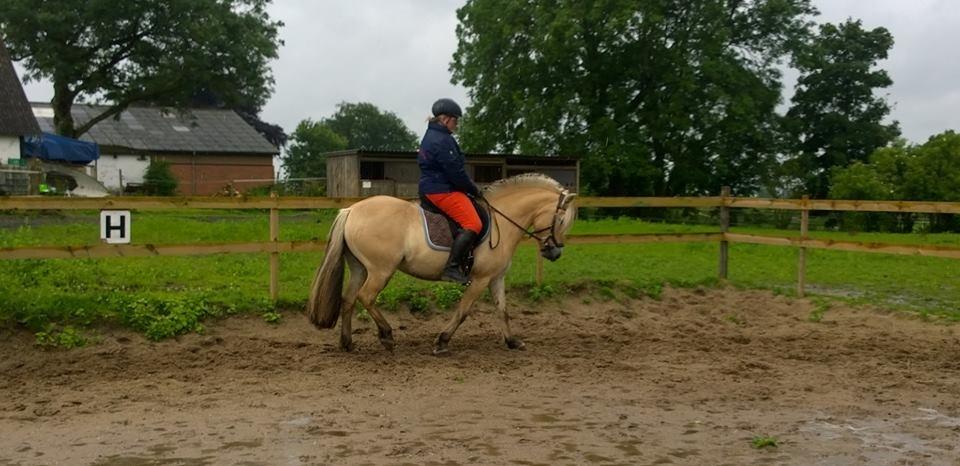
274, 247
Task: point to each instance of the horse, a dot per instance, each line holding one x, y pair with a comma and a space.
379, 235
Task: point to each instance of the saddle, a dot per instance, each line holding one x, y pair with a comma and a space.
440, 229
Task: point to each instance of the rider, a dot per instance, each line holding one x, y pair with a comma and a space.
445, 183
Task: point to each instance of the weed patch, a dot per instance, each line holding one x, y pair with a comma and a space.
764, 441
67, 338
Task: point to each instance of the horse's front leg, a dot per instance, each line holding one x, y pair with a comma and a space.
498, 290
470, 295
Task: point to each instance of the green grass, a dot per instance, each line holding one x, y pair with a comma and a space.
166, 296
764, 441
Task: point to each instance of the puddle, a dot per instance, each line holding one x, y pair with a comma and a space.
905, 438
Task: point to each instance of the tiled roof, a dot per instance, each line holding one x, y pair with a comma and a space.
15, 116
156, 129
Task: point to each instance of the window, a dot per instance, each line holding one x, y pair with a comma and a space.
487, 173
371, 171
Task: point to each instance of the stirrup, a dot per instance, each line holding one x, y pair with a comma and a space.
456, 276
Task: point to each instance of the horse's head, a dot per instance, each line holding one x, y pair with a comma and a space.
560, 220
537, 205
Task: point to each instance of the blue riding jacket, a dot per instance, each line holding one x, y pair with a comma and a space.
442, 163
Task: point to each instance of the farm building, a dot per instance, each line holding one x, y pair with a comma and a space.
362, 173
208, 149
16, 121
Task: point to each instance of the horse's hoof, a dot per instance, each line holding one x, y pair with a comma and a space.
387, 343
516, 344
346, 346
441, 351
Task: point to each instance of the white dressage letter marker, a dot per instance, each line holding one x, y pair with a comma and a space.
115, 226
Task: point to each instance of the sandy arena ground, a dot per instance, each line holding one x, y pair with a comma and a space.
688, 379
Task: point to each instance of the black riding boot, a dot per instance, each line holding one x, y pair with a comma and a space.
462, 245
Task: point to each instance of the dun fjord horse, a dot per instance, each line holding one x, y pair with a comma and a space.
380, 235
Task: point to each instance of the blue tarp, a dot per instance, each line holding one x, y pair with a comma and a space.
59, 149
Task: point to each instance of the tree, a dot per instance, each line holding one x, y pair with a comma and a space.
364, 126
933, 171
927, 172
120, 53
354, 126
661, 97
835, 118
158, 180
308, 144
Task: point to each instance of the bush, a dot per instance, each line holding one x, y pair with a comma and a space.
159, 180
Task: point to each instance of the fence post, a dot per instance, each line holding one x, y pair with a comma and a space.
275, 253
724, 226
804, 234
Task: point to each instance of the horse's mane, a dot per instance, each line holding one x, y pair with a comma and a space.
526, 180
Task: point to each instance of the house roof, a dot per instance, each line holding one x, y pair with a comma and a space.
516, 159
15, 116
157, 129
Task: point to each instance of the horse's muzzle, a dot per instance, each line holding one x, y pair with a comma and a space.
551, 253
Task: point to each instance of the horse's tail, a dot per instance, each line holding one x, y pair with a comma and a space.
326, 293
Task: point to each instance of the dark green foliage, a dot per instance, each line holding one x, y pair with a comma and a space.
663, 97
541, 292
413, 297
836, 119
364, 126
764, 441
159, 180
447, 295
308, 144
157, 51
925, 172
272, 317
353, 126
67, 338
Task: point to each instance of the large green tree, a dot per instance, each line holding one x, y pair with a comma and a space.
308, 144
353, 126
836, 116
365, 126
661, 97
119, 53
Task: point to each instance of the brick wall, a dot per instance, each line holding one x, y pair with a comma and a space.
206, 175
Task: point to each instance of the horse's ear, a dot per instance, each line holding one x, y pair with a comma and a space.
568, 197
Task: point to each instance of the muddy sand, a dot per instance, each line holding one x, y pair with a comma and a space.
691, 378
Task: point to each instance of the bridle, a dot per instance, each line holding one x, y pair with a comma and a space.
558, 213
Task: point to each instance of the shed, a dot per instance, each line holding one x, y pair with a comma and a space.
208, 149
364, 172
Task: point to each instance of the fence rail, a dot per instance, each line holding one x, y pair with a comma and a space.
274, 246
48, 203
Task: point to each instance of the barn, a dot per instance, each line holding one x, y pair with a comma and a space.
208, 149
362, 172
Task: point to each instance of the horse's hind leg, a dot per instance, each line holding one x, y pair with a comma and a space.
463, 310
499, 293
358, 275
368, 297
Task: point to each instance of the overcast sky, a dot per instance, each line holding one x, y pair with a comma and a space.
396, 54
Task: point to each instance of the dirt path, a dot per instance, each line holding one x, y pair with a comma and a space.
688, 379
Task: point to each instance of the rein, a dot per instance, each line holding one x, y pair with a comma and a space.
527, 232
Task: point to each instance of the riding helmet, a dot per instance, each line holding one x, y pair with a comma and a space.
446, 107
